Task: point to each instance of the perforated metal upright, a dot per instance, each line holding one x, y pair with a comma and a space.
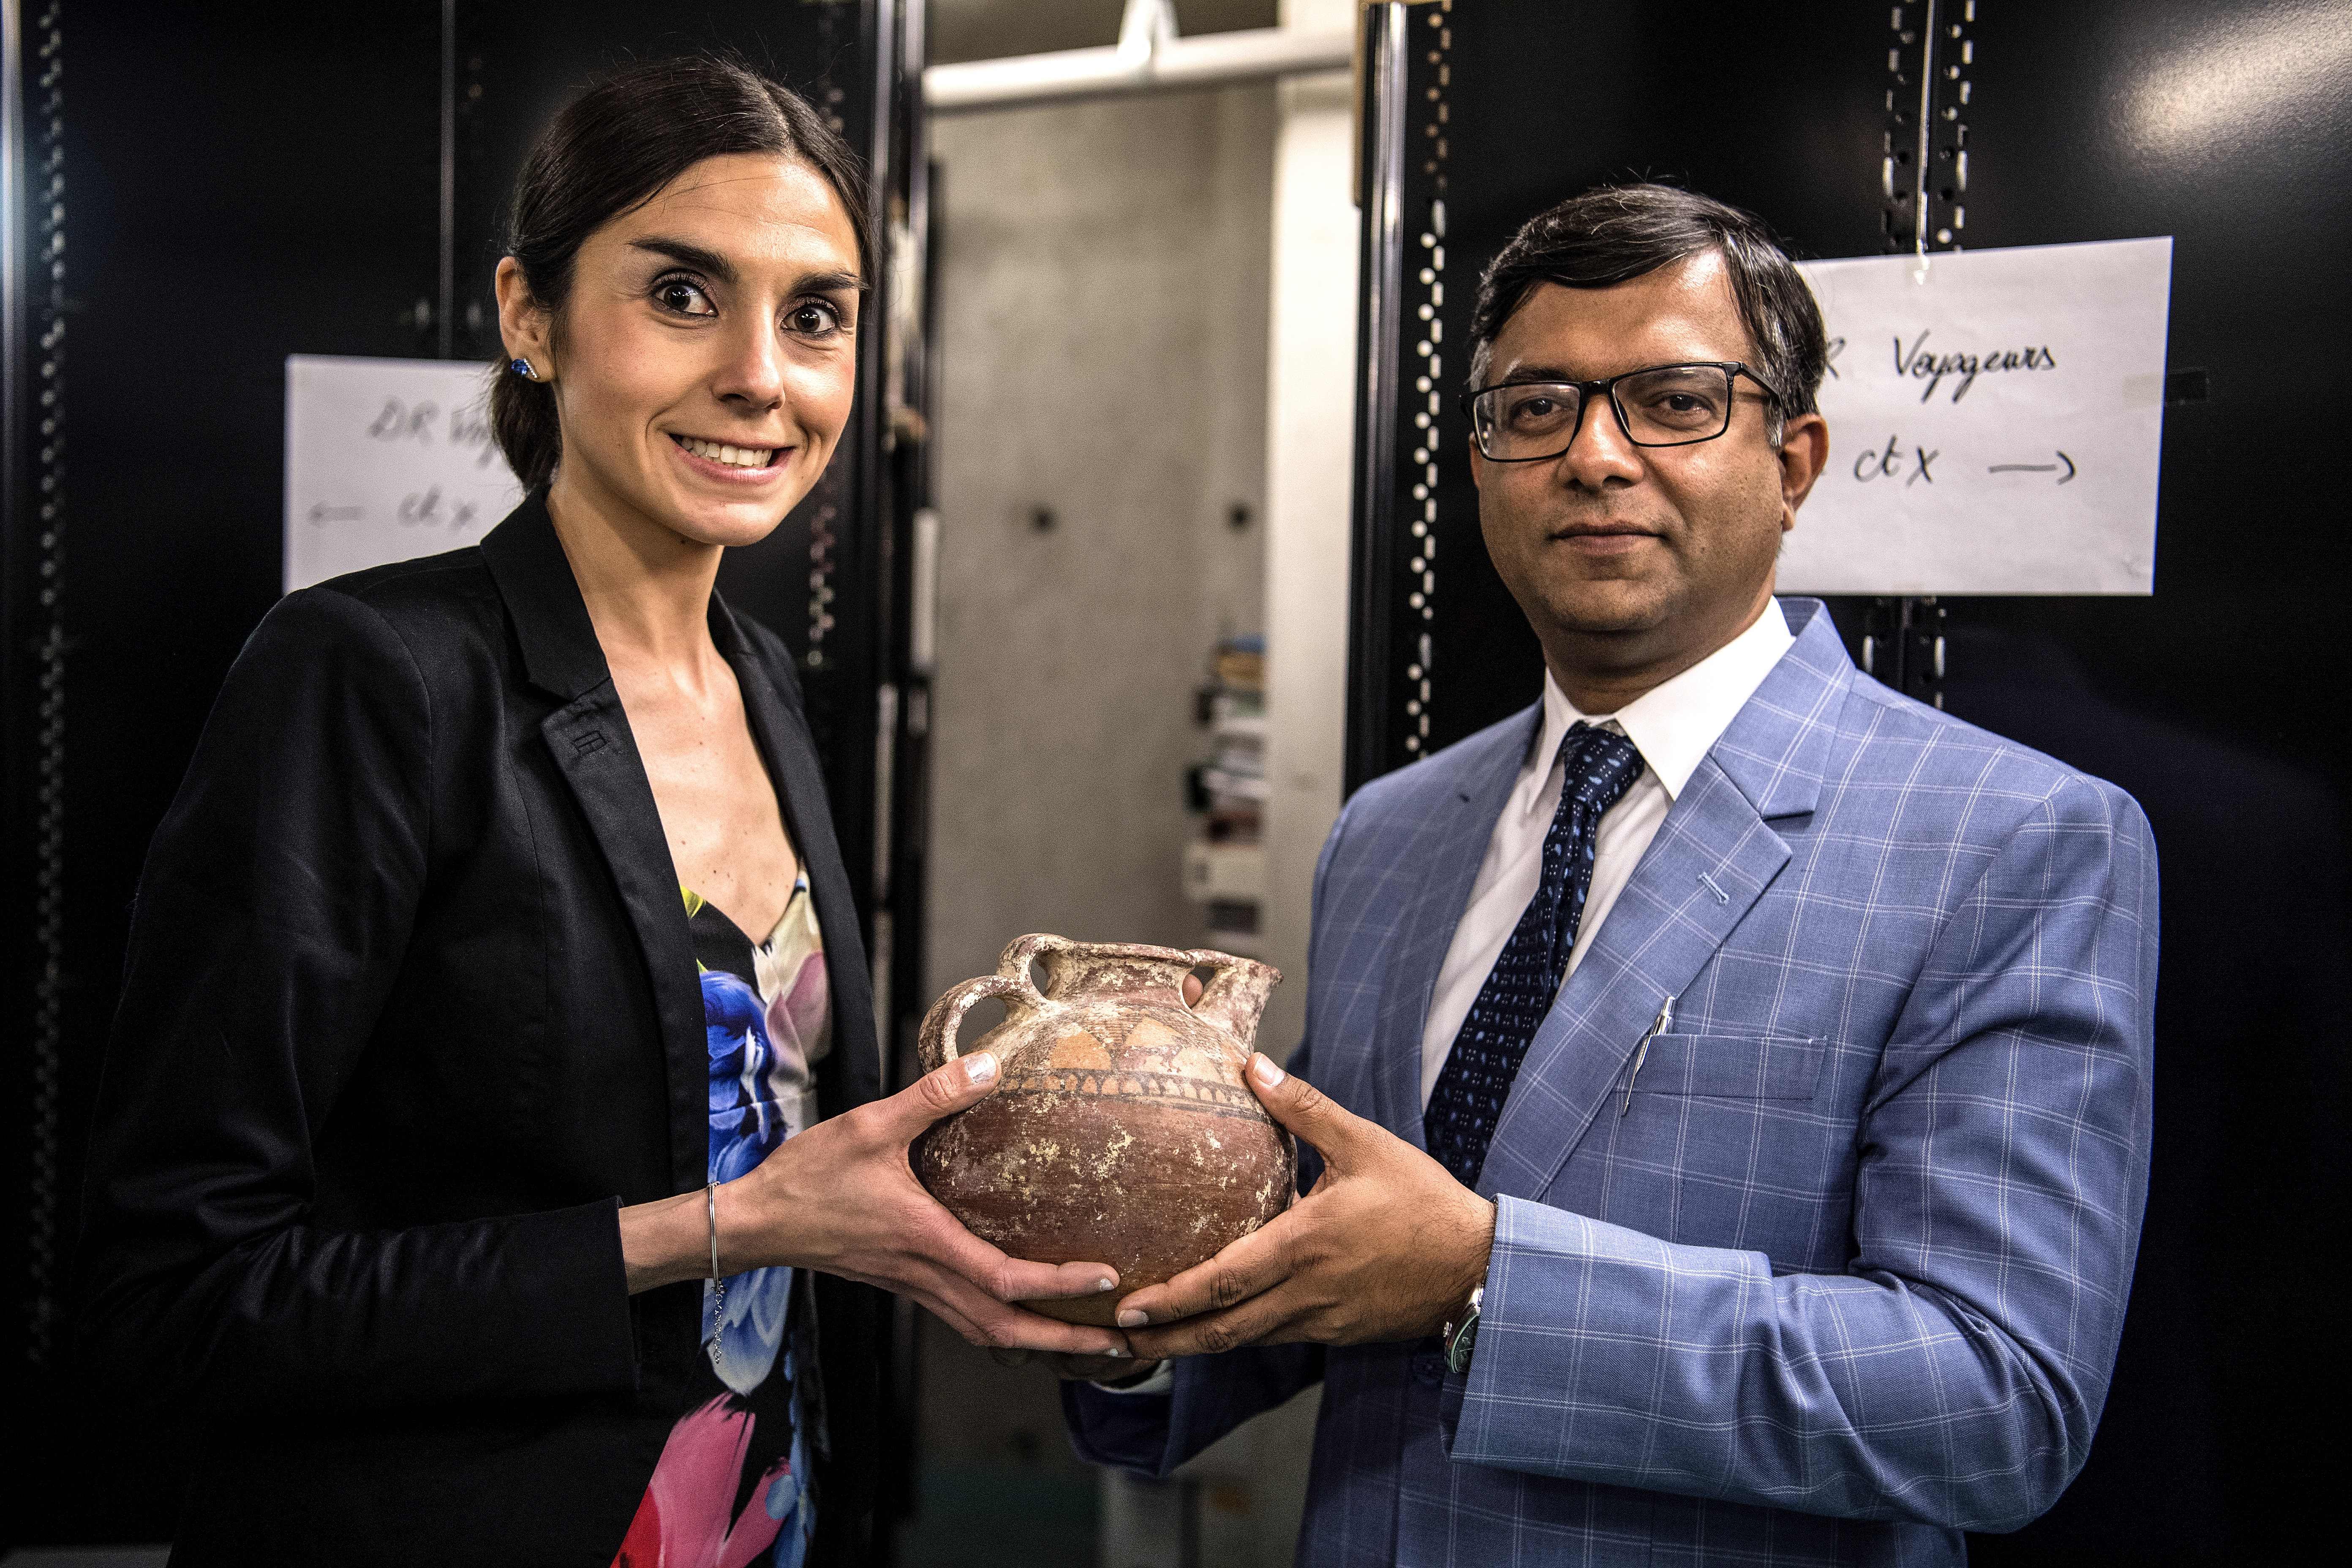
1924, 182
33, 642
1408, 432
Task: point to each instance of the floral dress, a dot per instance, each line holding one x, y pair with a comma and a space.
732, 1487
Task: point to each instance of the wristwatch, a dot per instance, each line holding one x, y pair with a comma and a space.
1461, 1337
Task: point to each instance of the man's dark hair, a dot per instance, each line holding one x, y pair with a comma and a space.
1614, 234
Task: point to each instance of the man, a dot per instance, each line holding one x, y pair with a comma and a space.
1734, 1075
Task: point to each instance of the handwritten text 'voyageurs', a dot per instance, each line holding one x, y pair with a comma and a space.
1934, 368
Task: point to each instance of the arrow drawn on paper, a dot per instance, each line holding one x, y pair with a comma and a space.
2036, 467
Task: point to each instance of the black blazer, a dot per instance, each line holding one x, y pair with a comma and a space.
410, 1009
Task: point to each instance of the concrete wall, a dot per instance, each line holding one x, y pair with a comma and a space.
1103, 306
1312, 372
1103, 280
1252, 1485
1147, 313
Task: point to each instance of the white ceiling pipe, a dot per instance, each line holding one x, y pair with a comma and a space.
1210, 59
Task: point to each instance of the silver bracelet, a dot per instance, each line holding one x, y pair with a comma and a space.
717, 1283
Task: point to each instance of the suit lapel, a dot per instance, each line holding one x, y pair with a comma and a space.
790, 752
1715, 855
1440, 865
589, 741
1665, 926
592, 744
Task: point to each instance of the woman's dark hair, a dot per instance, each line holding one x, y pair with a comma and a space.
610, 151
1615, 233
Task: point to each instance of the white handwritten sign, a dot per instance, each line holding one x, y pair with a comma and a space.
387, 460
1994, 423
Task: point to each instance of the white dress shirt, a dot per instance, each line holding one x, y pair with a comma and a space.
1673, 725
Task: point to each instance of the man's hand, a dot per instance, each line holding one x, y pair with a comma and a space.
1387, 1246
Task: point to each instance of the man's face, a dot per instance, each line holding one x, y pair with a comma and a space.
1639, 556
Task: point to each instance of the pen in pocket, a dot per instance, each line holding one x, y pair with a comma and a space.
1658, 1025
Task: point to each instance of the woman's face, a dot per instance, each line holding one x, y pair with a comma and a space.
706, 359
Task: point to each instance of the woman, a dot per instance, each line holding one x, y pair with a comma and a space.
489, 1131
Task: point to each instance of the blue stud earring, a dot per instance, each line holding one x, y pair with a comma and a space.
521, 367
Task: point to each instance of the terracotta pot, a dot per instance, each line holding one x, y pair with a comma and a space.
1120, 1131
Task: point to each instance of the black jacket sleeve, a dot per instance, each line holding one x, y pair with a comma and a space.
278, 898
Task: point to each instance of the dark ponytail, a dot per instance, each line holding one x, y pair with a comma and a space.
612, 147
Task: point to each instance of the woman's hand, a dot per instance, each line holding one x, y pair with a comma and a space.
842, 1198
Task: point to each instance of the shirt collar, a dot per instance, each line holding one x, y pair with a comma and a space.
1676, 723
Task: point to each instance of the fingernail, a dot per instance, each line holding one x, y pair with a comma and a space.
1262, 1067
1130, 1318
1115, 1353
979, 1068
1106, 1284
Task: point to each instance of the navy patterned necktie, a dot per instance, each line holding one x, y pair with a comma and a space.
1467, 1102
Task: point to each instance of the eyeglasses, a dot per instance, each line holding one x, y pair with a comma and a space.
1662, 406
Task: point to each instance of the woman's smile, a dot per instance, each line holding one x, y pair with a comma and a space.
728, 462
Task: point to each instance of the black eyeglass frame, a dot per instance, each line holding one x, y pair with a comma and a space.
1607, 387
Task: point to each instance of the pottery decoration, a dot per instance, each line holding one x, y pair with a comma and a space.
1120, 1131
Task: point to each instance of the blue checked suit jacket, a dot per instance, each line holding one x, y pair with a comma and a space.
1847, 1278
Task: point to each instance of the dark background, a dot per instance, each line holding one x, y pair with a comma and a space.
2218, 702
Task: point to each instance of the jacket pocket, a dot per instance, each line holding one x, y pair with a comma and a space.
1734, 1067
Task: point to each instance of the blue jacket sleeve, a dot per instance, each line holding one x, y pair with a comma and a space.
1953, 1374
1152, 1434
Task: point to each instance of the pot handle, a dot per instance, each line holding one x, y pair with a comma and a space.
934, 1043
1235, 997
1022, 950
